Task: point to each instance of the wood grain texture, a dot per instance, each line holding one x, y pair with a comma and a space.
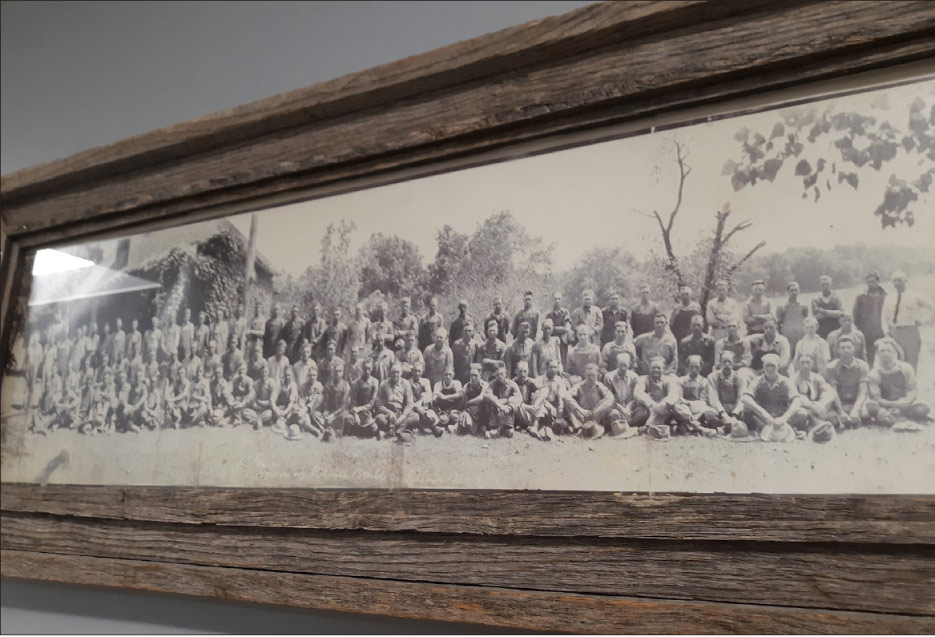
479, 604
897, 580
722, 52
851, 519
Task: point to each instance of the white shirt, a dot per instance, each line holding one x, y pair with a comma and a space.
914, 309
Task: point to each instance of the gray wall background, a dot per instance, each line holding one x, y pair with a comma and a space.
81, 74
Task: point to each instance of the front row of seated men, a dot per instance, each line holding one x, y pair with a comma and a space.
730, 400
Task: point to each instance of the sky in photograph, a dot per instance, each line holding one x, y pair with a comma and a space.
590, 196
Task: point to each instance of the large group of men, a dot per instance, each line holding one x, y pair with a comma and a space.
744, 370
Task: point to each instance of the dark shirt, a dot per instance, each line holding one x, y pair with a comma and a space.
702, 346
868, 310
611, 318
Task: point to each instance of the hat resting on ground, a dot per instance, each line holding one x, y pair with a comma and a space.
739, 432
822, 432
294, 433
783, 433
659, 432
620, 429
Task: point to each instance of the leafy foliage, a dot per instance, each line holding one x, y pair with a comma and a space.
858, 142
391, 265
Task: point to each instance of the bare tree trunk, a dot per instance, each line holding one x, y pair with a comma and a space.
249, 271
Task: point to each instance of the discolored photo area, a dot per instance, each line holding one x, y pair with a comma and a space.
737, 302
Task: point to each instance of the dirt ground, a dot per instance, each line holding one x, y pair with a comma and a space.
863, 461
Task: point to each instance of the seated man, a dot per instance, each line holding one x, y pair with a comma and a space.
725, 387
816, 400
813, 345
177, 397
893, 388
621, 383
769, 342
703, 419
697, 343
286, 404
847, 329
199, 399
584, 353
422, 401
260, 410
848, 376
395, 413
132, 402
657, 344
335, 403
154, 410
311, 394
550, 402
503, 399
770, 401
242, 390
48, 415
657, 397
363, 403
474, 417
590, 405
526, 413
448, 399
220, 409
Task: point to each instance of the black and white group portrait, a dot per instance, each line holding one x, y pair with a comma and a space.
743, 303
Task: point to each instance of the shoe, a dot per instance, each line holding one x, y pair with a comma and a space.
328, 435
506, 432
438, 431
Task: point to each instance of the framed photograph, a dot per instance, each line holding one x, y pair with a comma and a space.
623, 320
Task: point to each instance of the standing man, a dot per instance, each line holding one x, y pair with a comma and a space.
721, 311
272, 332
697, 343
642, 317
813, 345
547, 348
313, 329
134, 337
278, 362
231, 358
561, 324
201, 334
903, 312
498, 315
621, 343
359, 332
769, 342
591, 316
220, 328
381, 326
438, 356
519, 350
757, 310
584, 353
790, 316
181, 337
464, 354
735, 344
118, 344
490, 353
847, 329
827, 307
681, 320
335, 332
431, 322
528, 314
292, 334
238, 328
658, 343
868, 312
457, 326
405, 322
613, 314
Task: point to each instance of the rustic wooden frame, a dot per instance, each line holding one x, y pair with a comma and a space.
540, 560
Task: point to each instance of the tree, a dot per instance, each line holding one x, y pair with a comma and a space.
451, 255
719, 262
334, 281
390, 264
603, 270
861, 141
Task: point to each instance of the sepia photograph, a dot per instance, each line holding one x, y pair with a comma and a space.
743, 303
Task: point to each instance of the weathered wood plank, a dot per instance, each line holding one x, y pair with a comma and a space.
900, 581
893, 519
737, 49
478, 604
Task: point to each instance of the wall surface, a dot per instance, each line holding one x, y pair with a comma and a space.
81, 74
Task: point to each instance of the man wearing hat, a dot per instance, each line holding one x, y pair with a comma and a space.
893, 388
848, 376
770, 400
827, 307
903, 312
590, 404
868, 312
790, 315
657, 394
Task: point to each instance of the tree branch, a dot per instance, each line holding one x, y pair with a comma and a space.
745, 257
743, 225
